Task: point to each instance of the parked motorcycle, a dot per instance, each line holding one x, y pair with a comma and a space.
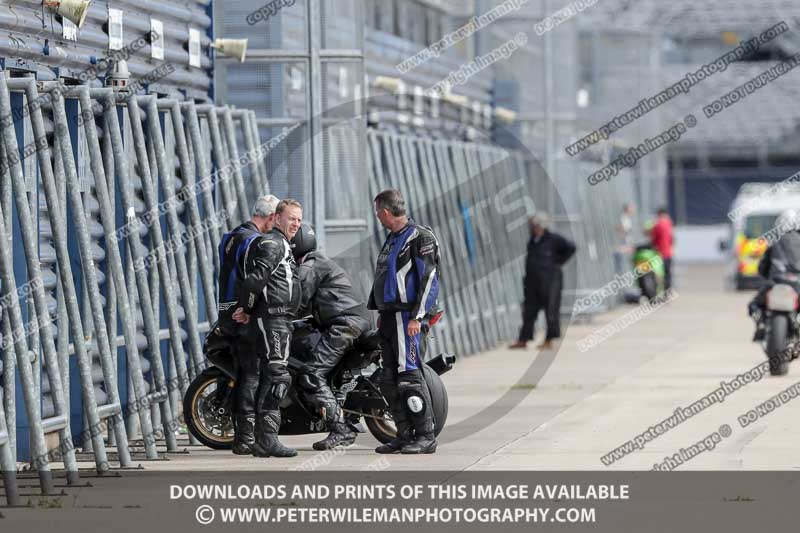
648, 263
208, 403
781, 317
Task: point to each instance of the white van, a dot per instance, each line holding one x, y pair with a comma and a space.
753, 214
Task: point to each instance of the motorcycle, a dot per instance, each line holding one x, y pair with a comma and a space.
208, 402
781, 317
648, 264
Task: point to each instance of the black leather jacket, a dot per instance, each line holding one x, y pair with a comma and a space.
327, 290
786, 251
270, 287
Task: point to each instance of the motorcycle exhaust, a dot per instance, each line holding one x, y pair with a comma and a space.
442, 363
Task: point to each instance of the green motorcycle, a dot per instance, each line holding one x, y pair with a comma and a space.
649, 269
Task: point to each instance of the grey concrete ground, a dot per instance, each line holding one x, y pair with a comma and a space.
591, 402
588, 403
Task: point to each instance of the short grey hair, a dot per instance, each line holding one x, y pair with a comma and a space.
542, 219
265, 205
392, 200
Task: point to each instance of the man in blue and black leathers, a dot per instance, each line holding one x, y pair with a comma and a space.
259, 296
405, 288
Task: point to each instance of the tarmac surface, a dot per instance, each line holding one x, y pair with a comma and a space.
588, 403
516, 412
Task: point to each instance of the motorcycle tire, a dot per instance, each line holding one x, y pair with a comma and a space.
776, 345
649, 286
384, 431
194, 393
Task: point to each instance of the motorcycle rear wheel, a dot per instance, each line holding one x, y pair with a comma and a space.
649, 286
382, 427
201, 390
776, 345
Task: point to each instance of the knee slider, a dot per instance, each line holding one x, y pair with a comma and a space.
281, 381
412, 397
279, 390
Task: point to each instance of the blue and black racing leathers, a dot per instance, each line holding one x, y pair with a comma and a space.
406, 287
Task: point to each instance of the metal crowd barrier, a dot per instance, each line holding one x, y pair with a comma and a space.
442, 181
135, 200
134, 210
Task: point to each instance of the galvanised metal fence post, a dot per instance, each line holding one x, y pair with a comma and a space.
229, 198
60, 421
471, 333
494, 164
204, 249
8, 463
136, 251
158, 245
9, 385
113, 409
206, 181
431, 188
169, 193
233, 155
261, 163
111, 297
461, 175
141, 398
486, 239
259, 180
9, 353
24, 359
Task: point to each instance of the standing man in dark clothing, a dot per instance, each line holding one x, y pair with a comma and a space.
268, 299
547, 252
405, 289
233, 249
340, 317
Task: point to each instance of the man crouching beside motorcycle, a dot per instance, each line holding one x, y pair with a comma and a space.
268, 296
340, 317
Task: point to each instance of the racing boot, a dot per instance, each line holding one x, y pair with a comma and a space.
244, 434
405, 436
761, 329
267, 443
418, 402
405, 430
425, 438
341, 435
425, 443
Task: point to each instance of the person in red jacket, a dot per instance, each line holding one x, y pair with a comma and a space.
661, 239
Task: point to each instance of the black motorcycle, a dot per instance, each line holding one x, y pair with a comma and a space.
208, 403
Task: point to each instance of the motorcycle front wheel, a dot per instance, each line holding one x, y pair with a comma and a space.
207, 419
